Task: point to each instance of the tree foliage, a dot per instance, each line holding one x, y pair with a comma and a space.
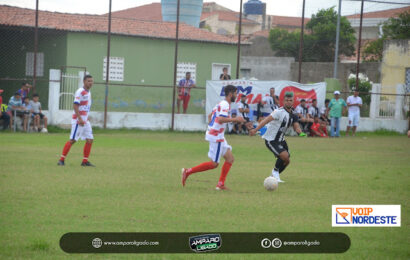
319, 38
395, 28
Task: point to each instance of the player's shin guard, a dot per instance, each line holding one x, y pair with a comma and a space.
200, 168
87, 150
224, 172
66, 149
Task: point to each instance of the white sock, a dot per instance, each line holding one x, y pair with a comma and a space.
274, 173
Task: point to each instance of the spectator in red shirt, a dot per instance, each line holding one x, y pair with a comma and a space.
315, 128
184, 91
323, 128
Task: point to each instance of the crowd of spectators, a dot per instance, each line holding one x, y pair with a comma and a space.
23, 112
314, 121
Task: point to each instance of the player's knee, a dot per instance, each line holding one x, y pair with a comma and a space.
72, 141
215, 164
90, 141
230, 160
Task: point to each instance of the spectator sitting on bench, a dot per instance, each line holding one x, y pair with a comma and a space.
37, 114
15, 104
302, 111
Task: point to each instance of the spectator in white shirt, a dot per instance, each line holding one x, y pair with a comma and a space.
354, 103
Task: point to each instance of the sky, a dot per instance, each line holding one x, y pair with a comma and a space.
274, 7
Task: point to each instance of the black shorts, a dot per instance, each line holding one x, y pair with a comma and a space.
40, 114
277, 147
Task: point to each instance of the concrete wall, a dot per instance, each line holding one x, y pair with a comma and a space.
260, 47
267, 68
318, 71
396, 58
155, 121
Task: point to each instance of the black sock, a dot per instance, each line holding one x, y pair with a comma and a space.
278, 165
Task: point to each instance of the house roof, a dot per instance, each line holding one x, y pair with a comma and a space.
382, 14
229, 16
149, 12
14, 16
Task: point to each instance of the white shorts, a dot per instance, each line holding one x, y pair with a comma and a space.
83, 132
217, 150
354, 119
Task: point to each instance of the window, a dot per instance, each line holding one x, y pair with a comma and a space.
116, 68
30, 64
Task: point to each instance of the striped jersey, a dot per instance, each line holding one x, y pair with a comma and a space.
215, 132
314, 111
277, 128
82, 97
301, 110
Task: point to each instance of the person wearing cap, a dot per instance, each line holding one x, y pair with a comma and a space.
15, 104
3, 114
336, 107
354, 103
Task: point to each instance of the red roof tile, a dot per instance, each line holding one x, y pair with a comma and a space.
14, 16
150, 12
382, 14
227, 16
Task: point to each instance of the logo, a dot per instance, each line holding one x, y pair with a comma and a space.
205, 243
97, 243
275, 243
366, 215
299, 94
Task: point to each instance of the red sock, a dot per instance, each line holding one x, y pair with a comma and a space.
224, 172
87, 150
66, 149
200, 168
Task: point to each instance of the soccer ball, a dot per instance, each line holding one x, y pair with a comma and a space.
270, 183
44, 130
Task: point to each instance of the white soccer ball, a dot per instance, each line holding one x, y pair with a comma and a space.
270, 183
44, 130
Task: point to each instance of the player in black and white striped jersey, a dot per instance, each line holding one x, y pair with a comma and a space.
278, 123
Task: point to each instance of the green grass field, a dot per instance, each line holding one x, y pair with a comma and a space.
136, 187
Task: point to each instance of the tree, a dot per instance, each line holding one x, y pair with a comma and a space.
319, 39
393, 29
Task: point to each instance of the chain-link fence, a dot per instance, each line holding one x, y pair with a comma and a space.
138, 47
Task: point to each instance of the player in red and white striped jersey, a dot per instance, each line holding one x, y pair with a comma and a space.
80, 126
218, 146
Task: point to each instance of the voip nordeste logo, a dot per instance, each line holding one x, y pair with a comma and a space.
205, 243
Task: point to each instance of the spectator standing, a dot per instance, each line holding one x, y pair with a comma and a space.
225, 75
38, 113
269, 103
24, 90
354, 104
337, 107
184, 91
3, 114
